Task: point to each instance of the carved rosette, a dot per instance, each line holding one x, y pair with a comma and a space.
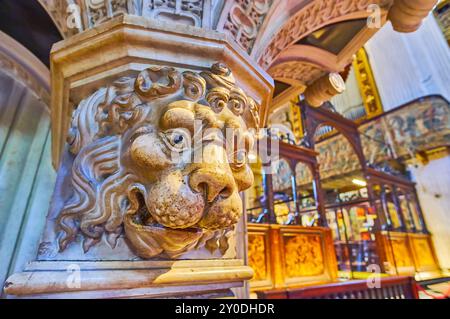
126, 180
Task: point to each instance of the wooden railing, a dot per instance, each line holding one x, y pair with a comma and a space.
390, 288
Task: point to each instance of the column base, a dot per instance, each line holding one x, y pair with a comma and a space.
128, 279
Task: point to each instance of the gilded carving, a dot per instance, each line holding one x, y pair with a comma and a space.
135, 172
257, 256
303, 255
367, 84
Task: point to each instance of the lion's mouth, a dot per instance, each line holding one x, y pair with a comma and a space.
151, 238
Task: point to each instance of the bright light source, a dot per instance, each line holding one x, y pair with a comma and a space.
252, 157
359, 182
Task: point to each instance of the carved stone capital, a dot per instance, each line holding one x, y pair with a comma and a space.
140, 116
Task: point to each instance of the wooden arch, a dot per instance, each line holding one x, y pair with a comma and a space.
317, 117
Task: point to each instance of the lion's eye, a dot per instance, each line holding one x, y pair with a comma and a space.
177, 139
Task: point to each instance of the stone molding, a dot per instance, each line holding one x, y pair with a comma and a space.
23, 66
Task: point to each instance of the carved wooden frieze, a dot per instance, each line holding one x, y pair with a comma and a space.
137, 171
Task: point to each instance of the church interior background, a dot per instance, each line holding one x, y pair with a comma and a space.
355, 93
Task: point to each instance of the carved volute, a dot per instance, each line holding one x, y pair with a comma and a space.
407, 15
324, 89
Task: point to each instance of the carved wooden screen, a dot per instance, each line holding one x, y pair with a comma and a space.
288, 192
403, 243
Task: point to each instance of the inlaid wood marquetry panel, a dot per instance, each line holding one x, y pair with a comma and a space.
289, 256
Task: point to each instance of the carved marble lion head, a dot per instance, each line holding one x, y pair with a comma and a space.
137, 170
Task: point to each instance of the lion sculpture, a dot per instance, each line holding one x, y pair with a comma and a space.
133, 172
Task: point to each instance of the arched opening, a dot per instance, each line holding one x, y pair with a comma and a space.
26, 174
30, 25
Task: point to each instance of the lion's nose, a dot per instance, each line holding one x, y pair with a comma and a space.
212, 182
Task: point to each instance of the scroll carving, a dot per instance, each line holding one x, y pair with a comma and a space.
133, 171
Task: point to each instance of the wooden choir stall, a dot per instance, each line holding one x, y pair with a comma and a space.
304, 230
